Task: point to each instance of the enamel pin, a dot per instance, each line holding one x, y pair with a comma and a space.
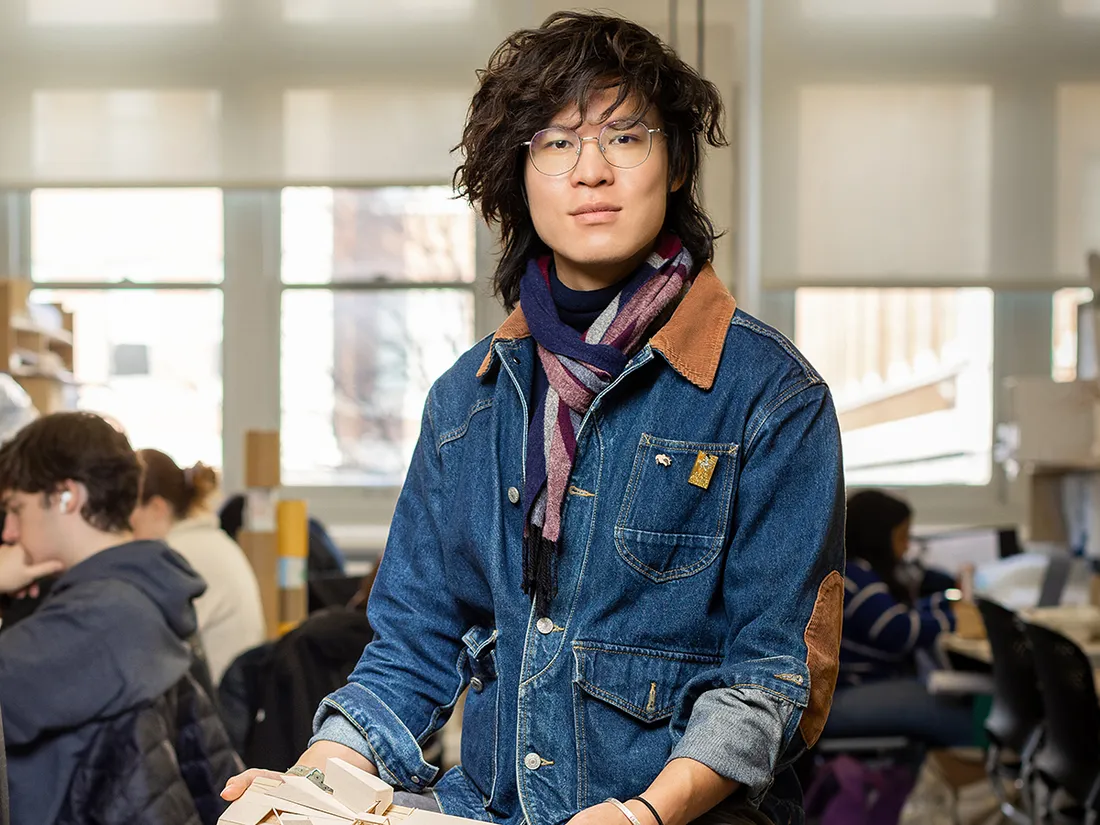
703, 470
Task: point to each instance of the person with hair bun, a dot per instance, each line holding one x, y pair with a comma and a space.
174, 507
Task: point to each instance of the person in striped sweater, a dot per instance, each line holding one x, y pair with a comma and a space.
885, 623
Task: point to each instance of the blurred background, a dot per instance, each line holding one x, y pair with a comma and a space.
245, 204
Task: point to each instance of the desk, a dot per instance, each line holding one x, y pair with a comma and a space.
979, 650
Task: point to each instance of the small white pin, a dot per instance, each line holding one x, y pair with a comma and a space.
664, 460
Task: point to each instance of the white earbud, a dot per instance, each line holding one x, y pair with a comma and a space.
66, 499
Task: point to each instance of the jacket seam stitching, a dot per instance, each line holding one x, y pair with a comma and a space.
769, 690
782, 399
745, 322
666, 655
459, 431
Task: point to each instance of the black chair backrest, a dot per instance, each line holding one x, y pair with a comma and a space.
1070, 754
1017, 704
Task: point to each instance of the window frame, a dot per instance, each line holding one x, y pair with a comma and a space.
1021, 229
252, 290
253, 279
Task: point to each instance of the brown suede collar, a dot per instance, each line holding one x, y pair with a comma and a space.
692, 340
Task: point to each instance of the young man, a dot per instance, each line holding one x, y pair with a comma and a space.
112, 633
622, 528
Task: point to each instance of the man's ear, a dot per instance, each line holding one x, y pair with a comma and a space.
71, 496
677, 179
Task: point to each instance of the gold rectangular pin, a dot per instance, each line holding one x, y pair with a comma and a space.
703, 471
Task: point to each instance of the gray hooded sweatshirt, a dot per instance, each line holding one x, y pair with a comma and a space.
111, 635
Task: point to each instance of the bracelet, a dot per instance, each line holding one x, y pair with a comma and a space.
652, 810
629, 814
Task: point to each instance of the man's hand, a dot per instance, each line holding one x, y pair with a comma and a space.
17, 573
607, 814
315, 757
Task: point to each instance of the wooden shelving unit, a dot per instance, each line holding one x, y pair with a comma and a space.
37, 353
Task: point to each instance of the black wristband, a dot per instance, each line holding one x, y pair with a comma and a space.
652, 810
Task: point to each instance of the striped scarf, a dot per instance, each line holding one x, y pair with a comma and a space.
578, 368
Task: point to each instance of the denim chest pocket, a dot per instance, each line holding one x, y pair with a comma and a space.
481, 712
623, 698
675, 513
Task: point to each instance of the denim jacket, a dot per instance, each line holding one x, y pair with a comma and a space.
695, 620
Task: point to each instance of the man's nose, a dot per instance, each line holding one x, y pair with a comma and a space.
592, 167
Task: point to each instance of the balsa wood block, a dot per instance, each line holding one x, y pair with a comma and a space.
300, 790
354, 787
371, 819
250, 809
257, 805
314, 818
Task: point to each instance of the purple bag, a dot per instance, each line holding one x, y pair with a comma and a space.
844, 791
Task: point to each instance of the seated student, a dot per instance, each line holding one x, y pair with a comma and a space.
173, 507
878, 693
111, 636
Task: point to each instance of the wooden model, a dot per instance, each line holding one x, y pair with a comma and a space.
355, 797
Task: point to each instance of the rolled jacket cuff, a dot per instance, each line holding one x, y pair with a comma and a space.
355, 717
738, 732
335, 727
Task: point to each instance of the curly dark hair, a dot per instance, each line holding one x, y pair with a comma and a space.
75, 446
536, 73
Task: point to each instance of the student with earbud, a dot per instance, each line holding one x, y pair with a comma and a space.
113, 634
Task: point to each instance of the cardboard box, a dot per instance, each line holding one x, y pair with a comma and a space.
1057, 423
261, 459
262, 552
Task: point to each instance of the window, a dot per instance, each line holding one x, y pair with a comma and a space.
377, 303
901, 8
1064, 358
121, 12
112, 235
126, 134
412, 11
911, 374
894, 180
1081, 8
1078, 223
148, 355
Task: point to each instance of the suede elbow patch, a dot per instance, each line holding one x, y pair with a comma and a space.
823, 655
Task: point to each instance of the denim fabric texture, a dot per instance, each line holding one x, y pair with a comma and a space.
681, 625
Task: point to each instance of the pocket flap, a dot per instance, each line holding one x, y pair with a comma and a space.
479, 640
642, 682
481, 645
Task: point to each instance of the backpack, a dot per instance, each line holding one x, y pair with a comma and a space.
845, 791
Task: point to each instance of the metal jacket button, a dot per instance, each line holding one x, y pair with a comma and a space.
513, 495
532, 761
476, 685
544, 625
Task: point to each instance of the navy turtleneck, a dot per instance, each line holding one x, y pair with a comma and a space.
579, 308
